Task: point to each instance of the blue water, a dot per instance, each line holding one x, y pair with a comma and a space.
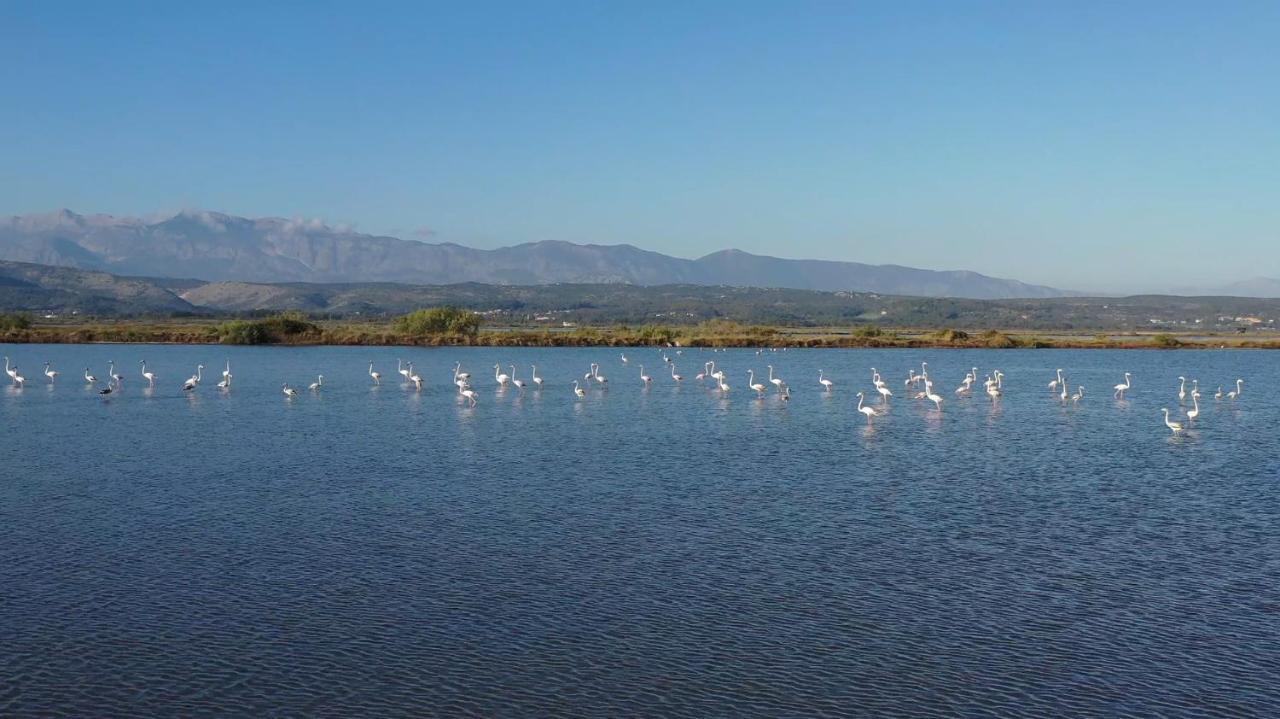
374, 551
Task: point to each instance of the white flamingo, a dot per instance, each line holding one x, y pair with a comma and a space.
148, 375
826, 383
1238, 391
624, 357
1182, 388
1195, 411
18, 379
50, 372
194, 380
315, 386
868, 411
706, 369
519, 383
753, 384
721, 384
1218, 394
458, 374
1195, 389
1079, 395
375, 376
414, 377
578, 390
775, 381
936, 399
599, 378
1176, 427
226, 372
470, 394
537, 381
225, 384
1054, 384
499, 376
644, 377
1063, 394
402, 370
88, 377
1122, 388
11, 371
884, 391
111, 372
289, 391
674, 376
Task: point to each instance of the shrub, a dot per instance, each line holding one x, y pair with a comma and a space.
14, 322
272, 330
867, 331
998, 340
1165, 341
950, 335
438, 321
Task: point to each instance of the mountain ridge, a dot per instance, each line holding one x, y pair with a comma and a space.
216, 246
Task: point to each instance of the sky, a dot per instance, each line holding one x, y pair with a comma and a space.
1103, 146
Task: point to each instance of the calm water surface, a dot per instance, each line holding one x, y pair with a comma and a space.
376, 551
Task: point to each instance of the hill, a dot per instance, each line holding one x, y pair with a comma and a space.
217, 247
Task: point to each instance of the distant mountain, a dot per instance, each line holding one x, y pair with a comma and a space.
218, 247
62, 290
1254, 287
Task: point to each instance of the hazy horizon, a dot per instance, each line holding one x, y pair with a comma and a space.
1094, 148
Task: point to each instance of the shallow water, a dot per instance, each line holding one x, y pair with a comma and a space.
377, 551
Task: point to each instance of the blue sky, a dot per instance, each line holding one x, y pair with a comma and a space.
1101, 146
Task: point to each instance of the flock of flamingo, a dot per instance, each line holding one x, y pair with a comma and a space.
918, 385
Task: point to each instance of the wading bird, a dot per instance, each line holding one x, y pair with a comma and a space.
1175, 427
868, 411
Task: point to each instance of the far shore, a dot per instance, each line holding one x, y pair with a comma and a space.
374, 334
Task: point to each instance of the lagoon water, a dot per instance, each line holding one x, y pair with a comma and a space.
373, 551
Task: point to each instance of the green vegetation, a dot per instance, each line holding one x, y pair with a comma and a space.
1166, 341
287, 328
9, 323
438, 321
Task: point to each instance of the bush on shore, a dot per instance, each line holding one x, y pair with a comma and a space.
438, 321
284, 328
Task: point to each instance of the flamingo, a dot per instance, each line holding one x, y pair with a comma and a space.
11, 371
994, 386
826, 383
519, 383
706, 368
644, 377
499, 376
1239, 390
1079, 395
537, 381
376, 376
721, 384
1176, 427
18, 379
884, 391
578, 390
225, 384
1054, 384
289, 391
50, 372
875, 378
470, 394
1218, 394
458, 374
624, 357
674, 376
414, 377
868, 411
599, 378
194, 380
106, 390
149, 376
935, 398
87, 377
1194, 412
111, 372
400, 368
315, 386
1182, 388
1063, 395
1195, 389
753, 384
911, 378
1122, 388
775, 381
226, 374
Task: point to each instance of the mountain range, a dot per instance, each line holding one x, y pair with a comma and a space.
213, 246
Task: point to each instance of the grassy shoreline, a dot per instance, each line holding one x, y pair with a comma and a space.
724, 335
